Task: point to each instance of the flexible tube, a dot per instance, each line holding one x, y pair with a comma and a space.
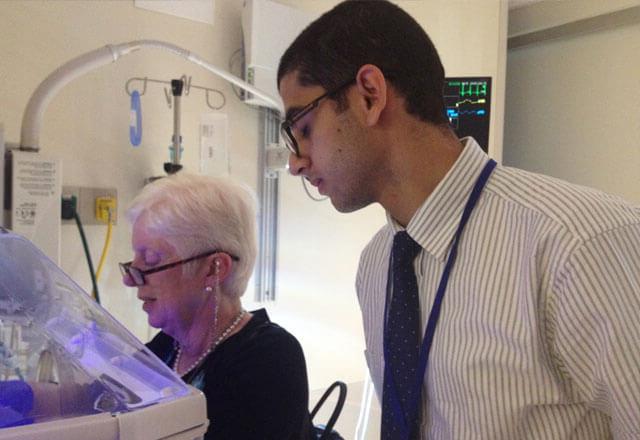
105, 249
88, 255
49, 87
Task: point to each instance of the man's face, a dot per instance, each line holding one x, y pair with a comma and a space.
332, 145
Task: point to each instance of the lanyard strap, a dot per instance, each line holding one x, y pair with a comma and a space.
432, 322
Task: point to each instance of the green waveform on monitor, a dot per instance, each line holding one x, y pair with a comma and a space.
470, 88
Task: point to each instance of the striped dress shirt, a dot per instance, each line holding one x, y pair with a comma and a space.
539, 333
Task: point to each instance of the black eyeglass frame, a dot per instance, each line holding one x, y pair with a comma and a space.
138, 275
286, 126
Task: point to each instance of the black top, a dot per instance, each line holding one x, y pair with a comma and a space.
255, 383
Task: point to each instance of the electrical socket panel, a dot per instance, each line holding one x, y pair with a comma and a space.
87, 204
106, 209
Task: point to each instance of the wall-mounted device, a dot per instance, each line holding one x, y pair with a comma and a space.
32, 191
468, 104
268, 28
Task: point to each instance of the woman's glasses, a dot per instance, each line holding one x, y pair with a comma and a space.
138, 275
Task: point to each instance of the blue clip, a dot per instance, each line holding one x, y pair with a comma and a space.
135, 131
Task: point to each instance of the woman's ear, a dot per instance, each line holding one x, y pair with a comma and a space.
372, 91
220, 265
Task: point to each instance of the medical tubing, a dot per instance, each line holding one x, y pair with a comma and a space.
139, 44
86, 252
306, 189
47, 89
105, 249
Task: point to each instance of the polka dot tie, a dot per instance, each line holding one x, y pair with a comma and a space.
402, 341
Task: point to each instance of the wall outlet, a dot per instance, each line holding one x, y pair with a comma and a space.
92, 204
106, 209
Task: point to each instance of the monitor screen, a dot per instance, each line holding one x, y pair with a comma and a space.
468, 104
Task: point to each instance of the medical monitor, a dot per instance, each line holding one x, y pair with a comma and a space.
468, 105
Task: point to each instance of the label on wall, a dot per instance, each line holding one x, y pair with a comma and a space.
214, 153
36, 189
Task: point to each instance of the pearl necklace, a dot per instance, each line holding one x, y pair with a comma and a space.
208, 351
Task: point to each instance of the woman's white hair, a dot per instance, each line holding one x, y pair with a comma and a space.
201, 213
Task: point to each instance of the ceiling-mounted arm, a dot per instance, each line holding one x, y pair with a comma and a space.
49, 87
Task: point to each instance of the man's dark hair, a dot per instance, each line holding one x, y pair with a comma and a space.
330, 51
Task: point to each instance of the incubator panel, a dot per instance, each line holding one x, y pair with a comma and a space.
63, 356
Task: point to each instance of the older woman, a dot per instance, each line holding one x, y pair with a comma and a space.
194, 244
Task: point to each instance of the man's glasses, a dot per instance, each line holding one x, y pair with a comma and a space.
138, 275
286, 128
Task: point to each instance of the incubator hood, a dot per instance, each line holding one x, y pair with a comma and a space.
69, 370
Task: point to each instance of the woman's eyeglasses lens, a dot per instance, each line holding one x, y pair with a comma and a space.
131, 273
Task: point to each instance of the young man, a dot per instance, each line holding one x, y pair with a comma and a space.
526, 288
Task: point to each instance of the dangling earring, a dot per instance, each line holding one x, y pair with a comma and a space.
216, 303
216, 293
209, 289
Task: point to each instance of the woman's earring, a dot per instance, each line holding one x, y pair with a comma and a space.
209, 289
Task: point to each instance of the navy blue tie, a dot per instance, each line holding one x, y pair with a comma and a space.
402, 343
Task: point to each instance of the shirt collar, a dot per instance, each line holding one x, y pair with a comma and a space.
434, 223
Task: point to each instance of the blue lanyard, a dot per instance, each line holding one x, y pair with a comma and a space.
430, 329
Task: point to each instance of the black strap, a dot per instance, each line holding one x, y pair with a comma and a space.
342, 396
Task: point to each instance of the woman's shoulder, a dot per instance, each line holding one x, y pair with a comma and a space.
261, 335
262, 352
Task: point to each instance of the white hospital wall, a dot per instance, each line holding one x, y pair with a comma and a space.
572, 102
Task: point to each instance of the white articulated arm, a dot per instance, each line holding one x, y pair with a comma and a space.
49, 87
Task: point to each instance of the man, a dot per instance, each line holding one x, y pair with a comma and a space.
528, 288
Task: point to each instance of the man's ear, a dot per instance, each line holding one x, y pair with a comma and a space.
372, 89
